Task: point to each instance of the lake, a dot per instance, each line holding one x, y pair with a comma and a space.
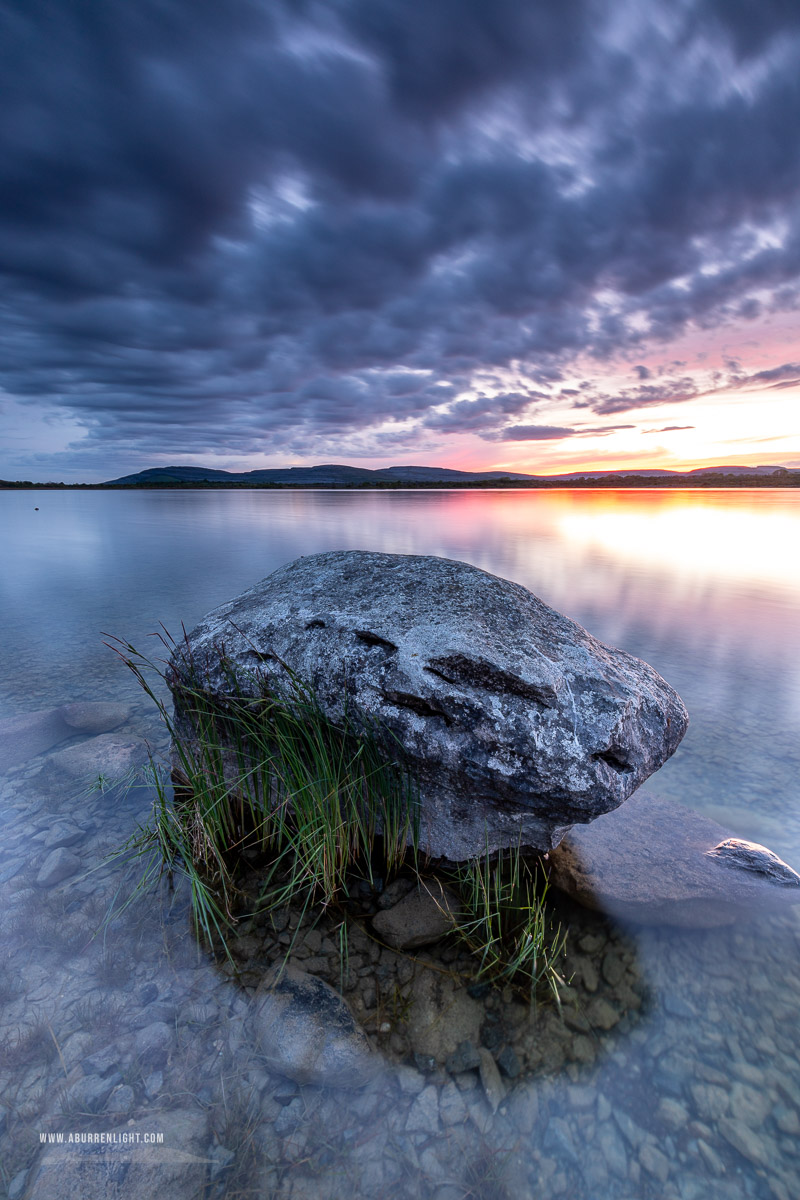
677, 1071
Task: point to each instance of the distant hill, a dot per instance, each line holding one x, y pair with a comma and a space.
327, 475
341, 475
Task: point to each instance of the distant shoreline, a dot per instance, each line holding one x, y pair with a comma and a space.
787, 479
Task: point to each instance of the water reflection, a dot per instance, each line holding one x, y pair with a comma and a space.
674, 1072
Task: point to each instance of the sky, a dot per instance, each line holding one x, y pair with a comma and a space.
529, 236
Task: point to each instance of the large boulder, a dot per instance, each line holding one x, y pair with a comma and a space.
656, 862
515, 720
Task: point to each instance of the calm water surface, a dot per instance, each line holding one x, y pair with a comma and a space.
675, 1073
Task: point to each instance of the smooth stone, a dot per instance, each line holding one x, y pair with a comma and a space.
672, 1113
613, 1150
654, 1162
59, 865
24, 736
425, 915
452, 1109
493, 1086
465, 1057
63, 833
749, 1105
108, 755
306, 1031
509, 1063
648, 862
753, 1146
515, 721
176, 1168
423, 1116
89, 1094
153, 1043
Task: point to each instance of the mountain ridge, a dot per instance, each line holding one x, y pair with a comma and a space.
344, 475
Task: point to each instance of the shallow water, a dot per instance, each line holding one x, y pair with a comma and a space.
675, 1072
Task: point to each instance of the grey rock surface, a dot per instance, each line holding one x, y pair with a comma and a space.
24, 736
59, 864
516, 721
109, 755
306, 1031
656, 862
424, 915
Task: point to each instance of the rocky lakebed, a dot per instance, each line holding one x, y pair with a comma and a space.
667, 1067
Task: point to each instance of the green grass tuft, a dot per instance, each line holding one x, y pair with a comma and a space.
266, 782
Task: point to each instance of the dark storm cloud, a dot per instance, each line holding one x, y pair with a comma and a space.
248, 226
550, 433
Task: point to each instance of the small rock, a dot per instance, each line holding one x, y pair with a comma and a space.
411, 1081
509, 1063
425, 1063
602, 1015
306, 1031
424, 915
746, 1141
654, 1162
559, 1141
153, 1043
121, 1100
710, 1101
108, 755
710, 1157
613, 968
423, 1116
395, 892
613, 1149
89, 1094
289, 1117
493, 1085
749, 1105
465, 1057
672, 1113
787, 1120
676, 1006
63, 833
58, 865
452, 1109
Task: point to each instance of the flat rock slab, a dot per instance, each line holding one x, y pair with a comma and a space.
655, 862
109, 755
29, 734
424, 915
306, 1031
516, 722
